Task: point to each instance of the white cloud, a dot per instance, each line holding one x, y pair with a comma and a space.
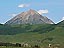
62, 19
12, 15
23, 5
43, 11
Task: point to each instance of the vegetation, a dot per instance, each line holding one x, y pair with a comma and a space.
16, 29
41, 34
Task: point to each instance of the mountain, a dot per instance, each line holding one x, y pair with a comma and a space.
29, 17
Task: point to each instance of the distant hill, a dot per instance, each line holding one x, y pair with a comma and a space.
61, 23
1, 24
16, 29
41, 34
29, 17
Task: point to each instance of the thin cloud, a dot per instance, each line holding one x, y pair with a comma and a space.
43, 11
23, 5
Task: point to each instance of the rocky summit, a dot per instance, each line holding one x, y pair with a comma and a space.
29, 17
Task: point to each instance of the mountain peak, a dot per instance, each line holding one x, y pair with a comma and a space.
29, 17
32, 12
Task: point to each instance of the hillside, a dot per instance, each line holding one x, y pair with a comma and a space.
61, 23
41, 34
16, 29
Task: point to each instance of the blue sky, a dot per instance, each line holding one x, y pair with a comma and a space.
55, 8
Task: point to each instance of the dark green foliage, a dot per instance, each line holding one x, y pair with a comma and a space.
16, 29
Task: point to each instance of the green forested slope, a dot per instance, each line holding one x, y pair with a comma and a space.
41, 34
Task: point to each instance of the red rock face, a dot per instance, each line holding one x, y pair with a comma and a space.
29, 17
